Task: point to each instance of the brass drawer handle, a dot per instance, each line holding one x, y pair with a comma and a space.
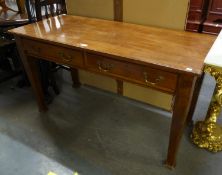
66, 58
104, 67
157, 80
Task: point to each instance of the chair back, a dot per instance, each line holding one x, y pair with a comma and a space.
39, 9
48, 8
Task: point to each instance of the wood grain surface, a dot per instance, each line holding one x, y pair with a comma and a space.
169, 49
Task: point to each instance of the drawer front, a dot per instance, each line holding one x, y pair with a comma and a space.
139, 74
53, 53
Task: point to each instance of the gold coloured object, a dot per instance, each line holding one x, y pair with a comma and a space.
208, 134
157, 80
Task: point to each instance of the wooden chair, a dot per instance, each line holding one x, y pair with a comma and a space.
4, 7
42, 9
21, 6
48, 8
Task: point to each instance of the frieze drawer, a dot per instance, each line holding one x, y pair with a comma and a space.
136, 73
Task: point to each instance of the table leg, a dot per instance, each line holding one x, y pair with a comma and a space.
194, 99
32, 71
182, 103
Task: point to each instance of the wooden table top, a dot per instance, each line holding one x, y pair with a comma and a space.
176, 50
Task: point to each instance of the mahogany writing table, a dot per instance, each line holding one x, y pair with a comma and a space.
162, 59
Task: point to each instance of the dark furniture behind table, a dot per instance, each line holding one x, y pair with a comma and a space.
196, 15
204, 16
10, 65
213, 22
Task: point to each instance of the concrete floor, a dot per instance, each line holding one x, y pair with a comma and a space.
94, 133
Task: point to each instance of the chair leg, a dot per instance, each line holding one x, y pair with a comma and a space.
45, 76
21, 6
75, 78
53, 83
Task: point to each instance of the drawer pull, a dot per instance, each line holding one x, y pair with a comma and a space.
104, 67
157, 80
66, 58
